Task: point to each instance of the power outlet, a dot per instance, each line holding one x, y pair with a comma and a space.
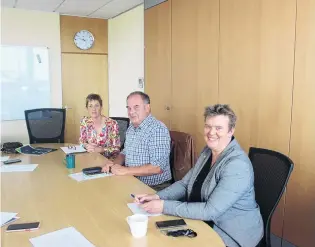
141, 82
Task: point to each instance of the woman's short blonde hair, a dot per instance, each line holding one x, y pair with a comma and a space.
220, 109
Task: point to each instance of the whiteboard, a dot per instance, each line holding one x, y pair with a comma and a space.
25, 80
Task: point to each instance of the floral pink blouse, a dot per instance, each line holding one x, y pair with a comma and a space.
108, 138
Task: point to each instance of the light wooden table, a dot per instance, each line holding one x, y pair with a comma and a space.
96, 208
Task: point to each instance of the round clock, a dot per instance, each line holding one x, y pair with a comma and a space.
84, 39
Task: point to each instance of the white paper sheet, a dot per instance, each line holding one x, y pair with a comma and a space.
67, 237
136, 209
18, 168
4, 158
74, 149
7, 216
11, 221
81, 177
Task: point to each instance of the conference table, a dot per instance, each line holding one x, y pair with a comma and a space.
96, 208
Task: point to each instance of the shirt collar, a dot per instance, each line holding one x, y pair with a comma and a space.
144, 123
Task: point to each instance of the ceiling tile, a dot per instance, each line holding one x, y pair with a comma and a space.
115, 8
43, 5
92, 8
151, 3
8, 3
81, 7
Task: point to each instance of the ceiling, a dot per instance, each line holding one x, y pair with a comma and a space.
104, 9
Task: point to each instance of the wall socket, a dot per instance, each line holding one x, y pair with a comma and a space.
141, 82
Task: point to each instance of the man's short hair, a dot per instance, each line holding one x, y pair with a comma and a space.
220, 109
144, 96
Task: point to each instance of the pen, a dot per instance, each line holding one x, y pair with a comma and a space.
133, 196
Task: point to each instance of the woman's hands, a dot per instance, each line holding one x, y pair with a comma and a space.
150, 203
141, 198
93, 148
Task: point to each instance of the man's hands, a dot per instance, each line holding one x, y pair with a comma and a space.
107, 167
119, 170
115, 169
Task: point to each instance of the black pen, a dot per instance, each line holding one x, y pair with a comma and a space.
133, 196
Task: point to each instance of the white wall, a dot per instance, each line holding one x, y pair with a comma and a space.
125, 58
25, 27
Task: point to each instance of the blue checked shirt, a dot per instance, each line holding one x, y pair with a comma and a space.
149, 143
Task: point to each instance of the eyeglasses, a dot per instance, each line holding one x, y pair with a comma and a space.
178, 233
72, 147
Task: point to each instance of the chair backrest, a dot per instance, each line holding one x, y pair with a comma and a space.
182, 154
271, 172
46, 125
172, 160
123, 124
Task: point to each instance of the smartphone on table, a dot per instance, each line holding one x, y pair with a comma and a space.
170, 224
23, 227
7, 162
92, 170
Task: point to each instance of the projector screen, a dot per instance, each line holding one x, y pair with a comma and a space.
25, 80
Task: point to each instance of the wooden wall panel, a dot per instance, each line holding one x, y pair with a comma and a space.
299, 225
157, 41
70, 25
195, 37
243, 53
82, 74
256, 72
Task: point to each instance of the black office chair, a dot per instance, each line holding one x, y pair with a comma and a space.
123, 124
271, 171
46, 125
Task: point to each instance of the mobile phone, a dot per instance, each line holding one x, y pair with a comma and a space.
23, 227
11, 161
170, 224
92, 170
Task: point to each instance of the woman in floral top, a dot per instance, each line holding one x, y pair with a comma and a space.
98, 133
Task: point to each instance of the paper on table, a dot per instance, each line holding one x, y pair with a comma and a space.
67, 237
81, 177
11, 221
7, 216
136, 209
18, 168
4, 158
74, 149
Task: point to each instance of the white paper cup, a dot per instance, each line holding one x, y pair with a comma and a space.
138, 224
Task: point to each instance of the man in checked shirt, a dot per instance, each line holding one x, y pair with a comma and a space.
147, 146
